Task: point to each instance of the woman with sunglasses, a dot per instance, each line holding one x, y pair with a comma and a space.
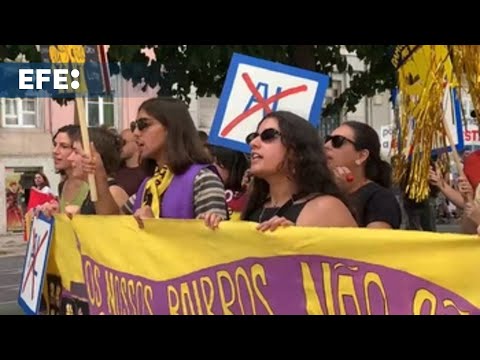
353, 155
182, 183
292, 184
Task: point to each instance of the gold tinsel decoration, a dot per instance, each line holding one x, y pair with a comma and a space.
425, 76
466, 66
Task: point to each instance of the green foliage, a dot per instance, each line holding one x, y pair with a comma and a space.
206, 66
11, 52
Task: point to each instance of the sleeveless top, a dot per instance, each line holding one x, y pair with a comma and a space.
82, 199
178, 200
290, 210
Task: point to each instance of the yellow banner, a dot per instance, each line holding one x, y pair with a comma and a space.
107, 265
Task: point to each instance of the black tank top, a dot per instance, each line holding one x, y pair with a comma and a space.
290, 211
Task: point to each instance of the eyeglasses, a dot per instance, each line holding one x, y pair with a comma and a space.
338, 140
267, 135
140, 124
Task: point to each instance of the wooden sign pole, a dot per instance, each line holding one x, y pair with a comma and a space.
456, 157
82, 119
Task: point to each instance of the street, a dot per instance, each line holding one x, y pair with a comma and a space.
10, 274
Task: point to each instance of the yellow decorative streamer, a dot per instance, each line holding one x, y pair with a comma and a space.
466, 66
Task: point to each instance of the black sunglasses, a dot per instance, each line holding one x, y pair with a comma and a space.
140, 124
338, 140
266, 136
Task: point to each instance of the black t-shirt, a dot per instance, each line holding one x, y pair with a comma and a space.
373, 203
130, 179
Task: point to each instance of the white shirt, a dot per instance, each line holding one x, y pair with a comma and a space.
45, 190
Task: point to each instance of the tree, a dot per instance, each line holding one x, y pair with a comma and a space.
205, 66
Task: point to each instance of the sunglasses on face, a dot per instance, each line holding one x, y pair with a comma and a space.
338, 140
267, 135
140, 124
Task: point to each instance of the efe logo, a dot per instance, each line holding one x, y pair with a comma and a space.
60, 80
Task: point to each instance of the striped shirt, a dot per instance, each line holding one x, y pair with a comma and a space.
208, 195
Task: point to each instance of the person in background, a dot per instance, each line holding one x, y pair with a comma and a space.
203, 137
40, 193
471, 215
232, 167
107, 147
454, 195
420, 214
41, 183
353, 155
131, 173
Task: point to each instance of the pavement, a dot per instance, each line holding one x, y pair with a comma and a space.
12, 245
10, 275
12, 254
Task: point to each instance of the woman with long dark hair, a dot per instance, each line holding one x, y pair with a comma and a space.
182, 183
41, 183
292, 184
353, 154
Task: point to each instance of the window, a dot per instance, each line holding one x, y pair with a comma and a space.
103, 110
333, 92
331, 122
328, 124
468, 109
19, 112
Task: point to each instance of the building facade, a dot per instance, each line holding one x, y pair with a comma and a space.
26, 130
27, 127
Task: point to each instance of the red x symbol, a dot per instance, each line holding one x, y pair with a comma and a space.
262, 103
33, 261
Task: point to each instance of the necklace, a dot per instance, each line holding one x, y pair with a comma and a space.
260, 218
278, 212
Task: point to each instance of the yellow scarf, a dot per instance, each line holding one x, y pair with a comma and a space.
155, 188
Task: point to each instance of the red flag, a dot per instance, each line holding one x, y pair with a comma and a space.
471, 168
36, 198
